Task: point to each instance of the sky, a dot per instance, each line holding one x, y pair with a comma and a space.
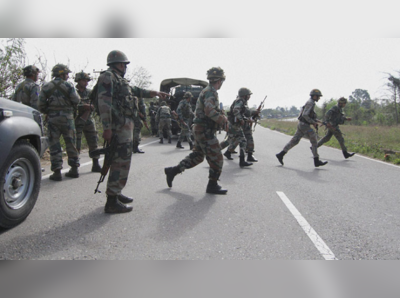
284, 69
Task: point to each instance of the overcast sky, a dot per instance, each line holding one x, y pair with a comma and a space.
285, 69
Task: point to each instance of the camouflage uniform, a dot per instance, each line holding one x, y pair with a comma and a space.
28, 91
137, 120
117, 103
58, 99
163, 117
185, 113
152, 114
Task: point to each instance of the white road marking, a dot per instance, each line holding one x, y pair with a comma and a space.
325, 251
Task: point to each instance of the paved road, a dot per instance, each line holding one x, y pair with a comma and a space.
348, 209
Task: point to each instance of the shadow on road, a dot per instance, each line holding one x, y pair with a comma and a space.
312, 175
182, 216
48, 242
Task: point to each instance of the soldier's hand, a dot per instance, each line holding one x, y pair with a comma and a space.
107, 134
315, 125
163, 95
348, 118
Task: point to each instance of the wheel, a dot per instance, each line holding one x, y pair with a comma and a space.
20, 179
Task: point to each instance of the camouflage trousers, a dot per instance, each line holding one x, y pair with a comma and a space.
248, 133
137, 130
205, 145
303, 130
164, 122
185, 131
121, 161
59, 124
88, 128
234, 138
153, 125
333, 132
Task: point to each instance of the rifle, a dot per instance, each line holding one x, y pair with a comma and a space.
108, 150
259, 109
143, 118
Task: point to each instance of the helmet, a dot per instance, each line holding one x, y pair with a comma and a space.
244, 92
215, 73
59, 69
315, 92
30, 70
188, 95
342, 100
117, 57
163, 103
82, 76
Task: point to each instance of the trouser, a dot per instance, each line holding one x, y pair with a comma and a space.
137, 130
235, 137
185, 132
206, 145
303, 129
88, 128
333, 132
164, 122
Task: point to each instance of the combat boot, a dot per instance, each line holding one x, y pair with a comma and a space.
347, 154
161, 141
191, 145
250, 157
179, 145
56, 176
214, 188
242, 162
318, 163
72, 173
169, 140
124, 199
280, 156
96, 168
227, 154
171, 172
113, 205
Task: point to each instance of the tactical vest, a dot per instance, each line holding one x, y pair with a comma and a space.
126, 102
165, 112
312, 115
231, 115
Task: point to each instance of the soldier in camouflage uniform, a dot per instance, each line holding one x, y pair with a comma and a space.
58, 99
334, 117
306, 119
163, 117
84, 120
185, 112
117, 104
152, 114
248, 133
137, 120
28, 91
237, 121
207, 117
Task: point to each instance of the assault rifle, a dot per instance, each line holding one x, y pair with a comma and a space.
257, 116
108, 150
143, 118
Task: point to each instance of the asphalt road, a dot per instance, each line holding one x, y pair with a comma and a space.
346, 210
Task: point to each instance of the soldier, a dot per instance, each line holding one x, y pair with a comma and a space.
117, 106
306, 119
58, 99
28, 91
84, 120
137, 120
334, 117
237, 120
152, 115
185, 112
163, 117
207, 117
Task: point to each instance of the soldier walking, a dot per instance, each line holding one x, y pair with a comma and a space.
28, 91
152, 114
163, 117
58, 99
137, 120
117, 105
207, 117
84, 120
334, 117
307, 118
185, 112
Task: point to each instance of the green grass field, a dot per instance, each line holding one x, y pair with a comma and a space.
371, 141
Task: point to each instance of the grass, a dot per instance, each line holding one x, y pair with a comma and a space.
371, 141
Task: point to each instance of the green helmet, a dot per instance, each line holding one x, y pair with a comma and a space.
315, 92
30, 70
117, 57
215, 73
244, 92
82, 76
188, 95
59, 69
342, 100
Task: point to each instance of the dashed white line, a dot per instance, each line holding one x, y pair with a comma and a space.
325, 251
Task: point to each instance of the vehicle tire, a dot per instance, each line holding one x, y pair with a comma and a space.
20, 179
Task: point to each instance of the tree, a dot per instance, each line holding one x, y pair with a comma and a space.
394, 86
12, 60
140, 77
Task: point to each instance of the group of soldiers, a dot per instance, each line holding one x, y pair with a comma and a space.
69, 112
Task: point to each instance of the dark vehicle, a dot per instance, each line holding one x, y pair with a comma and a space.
22, 142
177, 88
